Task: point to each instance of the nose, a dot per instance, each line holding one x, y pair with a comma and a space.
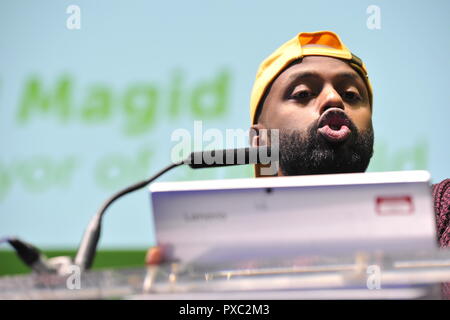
330, 98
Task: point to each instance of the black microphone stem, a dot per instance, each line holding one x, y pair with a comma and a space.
86, 252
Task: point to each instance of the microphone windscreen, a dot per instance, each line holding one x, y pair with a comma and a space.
229, 157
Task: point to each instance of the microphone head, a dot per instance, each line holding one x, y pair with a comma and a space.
229, 157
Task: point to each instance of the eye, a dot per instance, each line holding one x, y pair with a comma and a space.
351, 96
302, 94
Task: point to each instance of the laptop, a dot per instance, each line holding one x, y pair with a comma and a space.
221, 222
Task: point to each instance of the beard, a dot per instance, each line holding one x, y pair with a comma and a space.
304, 153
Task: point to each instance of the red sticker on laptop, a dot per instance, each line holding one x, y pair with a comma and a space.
397, 205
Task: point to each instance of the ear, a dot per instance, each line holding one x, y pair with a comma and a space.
257, 135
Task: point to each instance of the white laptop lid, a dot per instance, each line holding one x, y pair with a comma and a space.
221, 221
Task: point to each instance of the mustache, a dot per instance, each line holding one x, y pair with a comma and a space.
307, 152
312, 129
311, 132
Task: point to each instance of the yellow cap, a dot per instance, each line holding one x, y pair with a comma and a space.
328, 44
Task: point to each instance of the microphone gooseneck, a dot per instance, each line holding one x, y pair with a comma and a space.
196, 160
86, 252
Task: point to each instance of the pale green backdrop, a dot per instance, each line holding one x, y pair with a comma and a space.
85, 112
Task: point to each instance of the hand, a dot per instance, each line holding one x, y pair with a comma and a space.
154, 256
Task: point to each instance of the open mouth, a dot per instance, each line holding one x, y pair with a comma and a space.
334, 125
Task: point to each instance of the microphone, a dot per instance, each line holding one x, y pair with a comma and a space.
196, 160
229, 157
37, 261
31, 256
86, 252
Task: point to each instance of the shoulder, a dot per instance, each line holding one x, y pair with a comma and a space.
441, 200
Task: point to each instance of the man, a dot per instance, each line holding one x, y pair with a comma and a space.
318, 95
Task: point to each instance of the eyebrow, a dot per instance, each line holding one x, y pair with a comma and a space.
303, 75
350, 76
313, 74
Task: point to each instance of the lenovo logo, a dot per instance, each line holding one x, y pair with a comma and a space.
394, 205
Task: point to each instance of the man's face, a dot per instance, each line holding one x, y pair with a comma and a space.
321, 107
